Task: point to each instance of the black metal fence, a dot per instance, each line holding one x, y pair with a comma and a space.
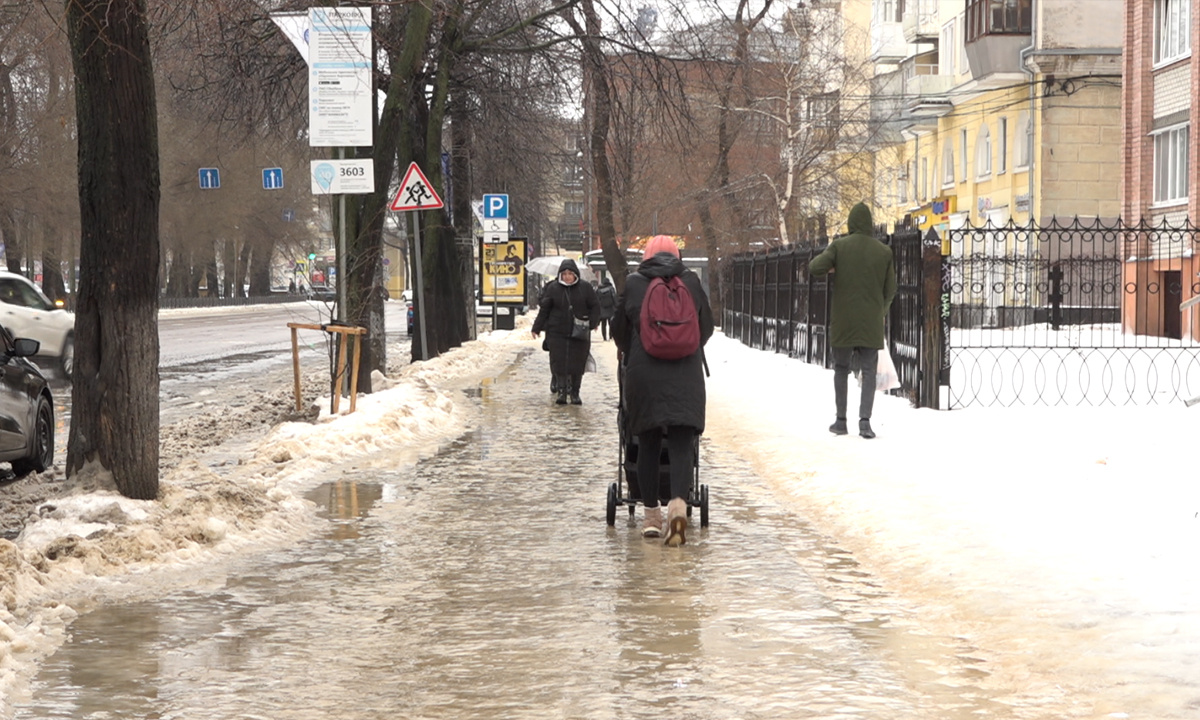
1077, 313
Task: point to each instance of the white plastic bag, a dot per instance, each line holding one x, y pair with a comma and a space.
886, 377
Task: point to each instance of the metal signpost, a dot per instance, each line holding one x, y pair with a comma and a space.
416, 194
340, 94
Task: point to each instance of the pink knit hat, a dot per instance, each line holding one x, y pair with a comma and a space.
660, 244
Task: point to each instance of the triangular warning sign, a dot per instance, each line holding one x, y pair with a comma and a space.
415, 192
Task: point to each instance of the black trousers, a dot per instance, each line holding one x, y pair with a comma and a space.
681, 450
868, 359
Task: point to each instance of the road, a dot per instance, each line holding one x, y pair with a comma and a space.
208, 356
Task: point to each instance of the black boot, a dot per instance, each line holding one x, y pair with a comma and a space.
864, 428
553, 384
838, 427
576, 381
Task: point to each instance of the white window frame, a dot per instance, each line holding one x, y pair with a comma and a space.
983, 153
1023, 140
946, 49
948, 164
962, 44
924, 179
1172, 30
1002, 147
962, 153
1171, 156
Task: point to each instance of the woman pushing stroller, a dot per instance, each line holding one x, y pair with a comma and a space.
662, 396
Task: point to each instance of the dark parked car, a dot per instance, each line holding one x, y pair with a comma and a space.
26, 408
322, 293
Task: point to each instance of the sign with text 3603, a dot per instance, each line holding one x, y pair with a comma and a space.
343, 177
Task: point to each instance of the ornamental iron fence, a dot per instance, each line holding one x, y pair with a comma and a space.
1080, 313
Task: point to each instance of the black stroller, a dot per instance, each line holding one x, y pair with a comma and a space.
627, 490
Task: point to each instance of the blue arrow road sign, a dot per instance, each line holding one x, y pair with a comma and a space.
495, 207
272, 178
210, 178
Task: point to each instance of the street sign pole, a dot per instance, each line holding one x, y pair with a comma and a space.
341, 254
420, 286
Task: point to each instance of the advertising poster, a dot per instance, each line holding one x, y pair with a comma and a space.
502, 272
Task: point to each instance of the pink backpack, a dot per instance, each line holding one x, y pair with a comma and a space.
670, 327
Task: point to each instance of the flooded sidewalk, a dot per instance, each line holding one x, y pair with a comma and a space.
484, 583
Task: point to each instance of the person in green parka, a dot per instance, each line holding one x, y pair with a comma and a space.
864, 283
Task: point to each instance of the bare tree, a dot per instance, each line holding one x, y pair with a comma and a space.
115, 385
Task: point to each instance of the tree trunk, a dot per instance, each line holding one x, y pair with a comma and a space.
596, 68
230, 257
115, 387
260, 267
52, 277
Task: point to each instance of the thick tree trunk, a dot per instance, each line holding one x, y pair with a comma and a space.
114, 396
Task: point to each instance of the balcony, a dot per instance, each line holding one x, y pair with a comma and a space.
922, 81
887, 42
925, 93
997, 30
921, 21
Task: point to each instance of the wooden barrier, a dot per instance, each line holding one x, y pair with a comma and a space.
345, 331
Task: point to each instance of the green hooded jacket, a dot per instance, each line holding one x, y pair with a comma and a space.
864, 283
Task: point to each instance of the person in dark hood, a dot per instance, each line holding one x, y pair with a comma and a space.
563, 302
662, 397
608, 304
864, 283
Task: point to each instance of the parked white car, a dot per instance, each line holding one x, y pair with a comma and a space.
28, 313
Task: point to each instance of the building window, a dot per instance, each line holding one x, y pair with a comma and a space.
924, 178
948, 164
823, 110
962, 154
1023, 141
947, 50
1172, 27
1171, 164
983, 153
998, 17
1002, 147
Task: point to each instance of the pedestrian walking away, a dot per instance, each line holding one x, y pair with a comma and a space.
662, 397
607, 294
568, 311
864, 283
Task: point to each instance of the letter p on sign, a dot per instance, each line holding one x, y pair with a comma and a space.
495, 207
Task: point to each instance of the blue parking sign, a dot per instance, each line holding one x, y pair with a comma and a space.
495, 207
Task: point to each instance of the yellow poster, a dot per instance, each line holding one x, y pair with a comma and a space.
502, 272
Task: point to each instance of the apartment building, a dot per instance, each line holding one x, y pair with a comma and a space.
1160, 177
1000, 110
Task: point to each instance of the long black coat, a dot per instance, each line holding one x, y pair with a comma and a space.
558, 304
658, 393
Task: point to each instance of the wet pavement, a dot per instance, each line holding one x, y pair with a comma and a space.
484, 583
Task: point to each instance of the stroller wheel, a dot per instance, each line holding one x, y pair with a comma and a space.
610, 514
703, 506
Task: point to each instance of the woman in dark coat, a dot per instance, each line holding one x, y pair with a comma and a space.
662, 394
562, 302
